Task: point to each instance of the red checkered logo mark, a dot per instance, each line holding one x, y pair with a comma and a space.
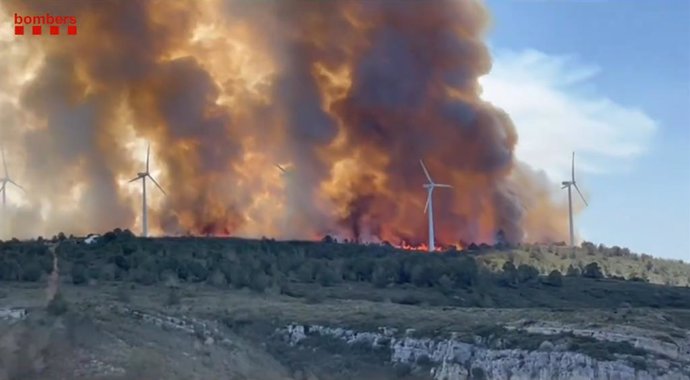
54, 30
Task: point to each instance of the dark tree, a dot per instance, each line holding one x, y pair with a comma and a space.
592, 270
259, 281
464, 272
527, 273
573, 271
32, 272
79, 274
326, 276
554, 279
510, 274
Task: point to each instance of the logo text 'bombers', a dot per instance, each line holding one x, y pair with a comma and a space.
54, 25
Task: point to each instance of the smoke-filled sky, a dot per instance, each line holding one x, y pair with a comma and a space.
348, 95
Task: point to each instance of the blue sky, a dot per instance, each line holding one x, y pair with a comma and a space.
609, 79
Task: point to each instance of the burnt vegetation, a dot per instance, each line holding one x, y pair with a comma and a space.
318, 271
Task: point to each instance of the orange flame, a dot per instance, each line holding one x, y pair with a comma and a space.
425, 247
350, 94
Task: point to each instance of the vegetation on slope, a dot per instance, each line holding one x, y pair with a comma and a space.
615, 262
330, 270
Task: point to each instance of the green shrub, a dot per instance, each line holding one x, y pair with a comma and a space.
306, 272
94, 273
363, 269
144, 277
592, 270
32, 272
402, 370
259, 282
79, 275
123, 294
10, 270
240, 277
408, 299
107, 272
573, 271
197, 270
380, 278
477, 373
326, 276
58, 305
315, 297
638, 363
527, 273
446, 284
173, 298
423, 275
509, 276
121, 262
46, 263
554, 279
424, 361
465, 271
217, 278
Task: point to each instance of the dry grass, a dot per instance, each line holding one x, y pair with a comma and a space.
613, 261
244, 307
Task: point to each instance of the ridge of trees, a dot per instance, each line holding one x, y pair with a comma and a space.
259, 264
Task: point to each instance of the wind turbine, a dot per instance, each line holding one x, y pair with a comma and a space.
569, 185
5, 180
282, 169
430, 186
142, 176
287, 172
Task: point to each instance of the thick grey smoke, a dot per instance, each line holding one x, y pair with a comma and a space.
350, 94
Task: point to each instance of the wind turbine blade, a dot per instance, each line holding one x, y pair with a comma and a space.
156, 183
581, 196
426, 172
134, 179
4, 163
281, 168
441, 185
428, 198
572, 171
16, 184
148, 153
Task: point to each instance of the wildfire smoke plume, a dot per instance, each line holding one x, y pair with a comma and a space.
348, 94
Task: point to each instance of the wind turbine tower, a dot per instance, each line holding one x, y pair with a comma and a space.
6, 180
429, 207
288, 220
569, 185
143, 176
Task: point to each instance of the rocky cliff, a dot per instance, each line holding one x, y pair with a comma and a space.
453, 359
